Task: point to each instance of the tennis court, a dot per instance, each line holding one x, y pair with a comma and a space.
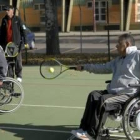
51, 108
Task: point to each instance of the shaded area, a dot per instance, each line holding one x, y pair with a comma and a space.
32, 132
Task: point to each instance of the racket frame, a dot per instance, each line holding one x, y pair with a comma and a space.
6, 54
61, 68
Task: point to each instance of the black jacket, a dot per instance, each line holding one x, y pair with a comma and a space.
19, 31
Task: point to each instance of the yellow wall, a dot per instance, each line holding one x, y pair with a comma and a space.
87, 16
32, 16
114, 14
2, 14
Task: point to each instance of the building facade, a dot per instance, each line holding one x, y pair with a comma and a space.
88, 14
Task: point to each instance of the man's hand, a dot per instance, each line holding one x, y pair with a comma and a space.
26, 46
79, 68
1, 82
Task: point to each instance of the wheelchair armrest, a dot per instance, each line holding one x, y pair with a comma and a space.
134, 85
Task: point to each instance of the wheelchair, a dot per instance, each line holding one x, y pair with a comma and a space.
11, 91
11, 95
123, 123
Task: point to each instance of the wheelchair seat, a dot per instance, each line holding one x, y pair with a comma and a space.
129, 118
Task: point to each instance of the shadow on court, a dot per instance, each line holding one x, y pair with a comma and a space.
31, 132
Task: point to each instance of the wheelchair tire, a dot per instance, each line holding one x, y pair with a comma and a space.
130, 117
11, 95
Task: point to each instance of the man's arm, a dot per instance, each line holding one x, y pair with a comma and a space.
106, 68
23, 31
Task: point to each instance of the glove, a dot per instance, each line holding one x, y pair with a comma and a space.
26, 46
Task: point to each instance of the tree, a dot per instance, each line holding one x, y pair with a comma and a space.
51, 27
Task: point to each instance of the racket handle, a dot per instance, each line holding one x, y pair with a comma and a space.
73, 68
108, 81
134, 85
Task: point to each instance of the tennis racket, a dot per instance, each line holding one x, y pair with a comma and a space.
52, 68
11, 50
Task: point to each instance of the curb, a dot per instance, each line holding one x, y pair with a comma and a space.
88, 34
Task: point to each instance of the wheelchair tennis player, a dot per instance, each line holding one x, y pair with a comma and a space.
125, 70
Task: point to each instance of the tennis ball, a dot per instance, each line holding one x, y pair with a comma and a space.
51, 70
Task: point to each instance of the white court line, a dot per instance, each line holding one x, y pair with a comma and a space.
51, 106
103, 40
71, 50
112, 50
51, 131
32, 129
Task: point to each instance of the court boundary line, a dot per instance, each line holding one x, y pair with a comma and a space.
51, 106
34, 129
70, 50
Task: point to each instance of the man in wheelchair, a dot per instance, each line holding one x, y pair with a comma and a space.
126, 71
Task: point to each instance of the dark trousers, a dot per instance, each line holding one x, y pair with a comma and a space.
18, 65
97, 109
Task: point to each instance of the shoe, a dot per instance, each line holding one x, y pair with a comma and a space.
80, 134
77, 131
19, 79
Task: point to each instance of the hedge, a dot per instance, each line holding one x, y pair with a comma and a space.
36, 59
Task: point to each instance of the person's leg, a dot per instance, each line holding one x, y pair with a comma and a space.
18, 65
96, 111
109, 103
91, 115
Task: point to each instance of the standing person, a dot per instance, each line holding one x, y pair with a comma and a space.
126, 70
13, 30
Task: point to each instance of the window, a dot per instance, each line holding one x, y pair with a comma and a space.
42, 19
1, 7
138, 11
79, 2
40, 6
36, 7
89, 4
115, 2
100, 10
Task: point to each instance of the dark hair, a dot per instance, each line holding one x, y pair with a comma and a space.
7, 7
128, 38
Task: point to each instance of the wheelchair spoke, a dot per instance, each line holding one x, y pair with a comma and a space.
131, 118
11, 95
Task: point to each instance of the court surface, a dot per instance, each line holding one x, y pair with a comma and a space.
51, 108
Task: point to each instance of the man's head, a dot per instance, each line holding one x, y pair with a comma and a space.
124, 41
9, 10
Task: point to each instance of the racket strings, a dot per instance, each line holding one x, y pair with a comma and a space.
50, 69
11, 50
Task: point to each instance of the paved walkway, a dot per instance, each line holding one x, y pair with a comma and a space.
98, 33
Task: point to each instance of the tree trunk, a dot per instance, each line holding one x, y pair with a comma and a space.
51, 26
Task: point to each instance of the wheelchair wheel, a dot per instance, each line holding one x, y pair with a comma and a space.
11, 95
131, 119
